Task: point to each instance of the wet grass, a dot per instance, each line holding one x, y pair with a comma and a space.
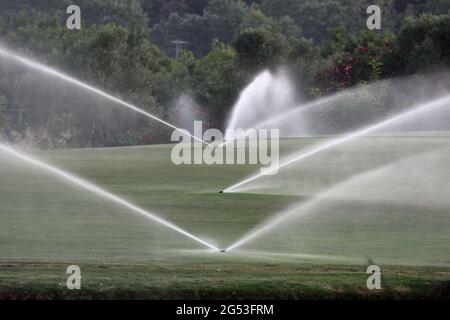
47, 224
220, 281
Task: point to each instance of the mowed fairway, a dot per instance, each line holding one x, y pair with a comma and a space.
47, 224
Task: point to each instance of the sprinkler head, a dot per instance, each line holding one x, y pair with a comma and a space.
223, 250
221, 191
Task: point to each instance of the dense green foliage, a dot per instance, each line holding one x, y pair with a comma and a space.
126, 48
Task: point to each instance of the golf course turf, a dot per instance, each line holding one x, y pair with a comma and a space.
47, 224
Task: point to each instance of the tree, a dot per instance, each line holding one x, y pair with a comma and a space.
159, 11
218, 82
305, 61
313, 17
220, 20
255, 19
355, 59
174, 78
424, 43
257, 49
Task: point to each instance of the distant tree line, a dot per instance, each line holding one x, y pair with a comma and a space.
126, 48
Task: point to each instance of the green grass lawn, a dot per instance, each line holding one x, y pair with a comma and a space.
47, 224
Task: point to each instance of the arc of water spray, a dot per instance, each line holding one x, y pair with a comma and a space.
341, 140
6, 53
303, 208
278, 219
101, 192
282, 116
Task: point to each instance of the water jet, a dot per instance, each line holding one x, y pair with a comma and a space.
332, 143
9, 54
99, 192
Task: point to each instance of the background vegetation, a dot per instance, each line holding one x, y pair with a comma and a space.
126, 48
